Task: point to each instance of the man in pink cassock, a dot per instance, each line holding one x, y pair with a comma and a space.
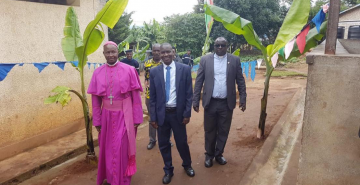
117, 112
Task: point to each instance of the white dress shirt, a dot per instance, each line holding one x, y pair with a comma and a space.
172, 94
220, 67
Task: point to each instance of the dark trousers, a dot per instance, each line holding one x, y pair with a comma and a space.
217, 122
152, 130
179, 129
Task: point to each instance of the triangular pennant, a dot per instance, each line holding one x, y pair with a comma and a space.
274, 59
61, 65
325, 8
301, 39
75, 63
288, 48
41, 66
259, 61
21, 64
246, 66
242, 67
281, 52
89, 64
4, 70
94, 65
319, 19
253, 73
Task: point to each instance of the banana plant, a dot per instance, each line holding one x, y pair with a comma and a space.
294, 21
77, 48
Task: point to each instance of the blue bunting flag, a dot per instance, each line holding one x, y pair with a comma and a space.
41, 66
319, 19
253, 73
246, 66
61, 65
4, 70
75, 63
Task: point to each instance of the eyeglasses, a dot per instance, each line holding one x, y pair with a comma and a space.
218, 45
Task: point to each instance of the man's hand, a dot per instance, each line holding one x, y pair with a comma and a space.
98, 128
196, 109
136, 125
242, 106
186, 121
154, 124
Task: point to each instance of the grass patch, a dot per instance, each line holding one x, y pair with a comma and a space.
286, 73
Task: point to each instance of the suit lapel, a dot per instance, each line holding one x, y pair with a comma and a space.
177, 77
212, 72
228, 66
162, 80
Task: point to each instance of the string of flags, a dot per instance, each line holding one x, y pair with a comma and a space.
5, 68
300, 38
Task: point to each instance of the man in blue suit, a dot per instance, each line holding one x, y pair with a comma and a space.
170, 108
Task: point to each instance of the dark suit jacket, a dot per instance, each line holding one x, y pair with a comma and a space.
184, 93
205, 76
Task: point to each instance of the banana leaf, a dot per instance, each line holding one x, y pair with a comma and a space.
236, 52
61, 96
72, 35
125, 43
235, 24
141, 55
94, 33
294, 21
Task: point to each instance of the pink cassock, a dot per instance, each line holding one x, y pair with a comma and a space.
117, 107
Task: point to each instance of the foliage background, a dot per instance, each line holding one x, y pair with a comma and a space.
187, 31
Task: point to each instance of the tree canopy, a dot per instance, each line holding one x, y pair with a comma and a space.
186, 32
122, 28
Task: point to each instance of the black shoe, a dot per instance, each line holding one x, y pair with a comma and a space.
190, 171
221, 160
167, 178
208, 163
151, 145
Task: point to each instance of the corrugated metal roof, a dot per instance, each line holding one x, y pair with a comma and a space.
356, 6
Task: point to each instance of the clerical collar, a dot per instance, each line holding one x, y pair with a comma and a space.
112, 65
220, 57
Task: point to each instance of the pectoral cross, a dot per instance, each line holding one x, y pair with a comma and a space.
111, 98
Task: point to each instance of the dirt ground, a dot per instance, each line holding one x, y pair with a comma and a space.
241, 148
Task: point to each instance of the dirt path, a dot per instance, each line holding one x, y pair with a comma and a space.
240, 150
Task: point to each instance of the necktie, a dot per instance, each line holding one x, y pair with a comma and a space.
167, 83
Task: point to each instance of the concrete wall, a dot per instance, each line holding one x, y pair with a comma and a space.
349, 18
32, 32
330, 151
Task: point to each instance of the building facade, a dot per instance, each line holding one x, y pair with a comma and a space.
349, 17
31, 31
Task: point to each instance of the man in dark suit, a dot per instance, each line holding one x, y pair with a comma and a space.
218, 72
170, 108
130, 61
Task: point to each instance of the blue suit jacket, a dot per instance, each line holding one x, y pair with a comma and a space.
184, 93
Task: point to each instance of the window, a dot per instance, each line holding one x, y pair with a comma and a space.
59, 2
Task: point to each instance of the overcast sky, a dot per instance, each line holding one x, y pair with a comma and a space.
146, 10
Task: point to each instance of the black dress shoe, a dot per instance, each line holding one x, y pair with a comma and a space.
221, 160
167, 178
190, 171
151, 145
208, 163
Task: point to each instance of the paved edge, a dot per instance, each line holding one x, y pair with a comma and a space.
265, 153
